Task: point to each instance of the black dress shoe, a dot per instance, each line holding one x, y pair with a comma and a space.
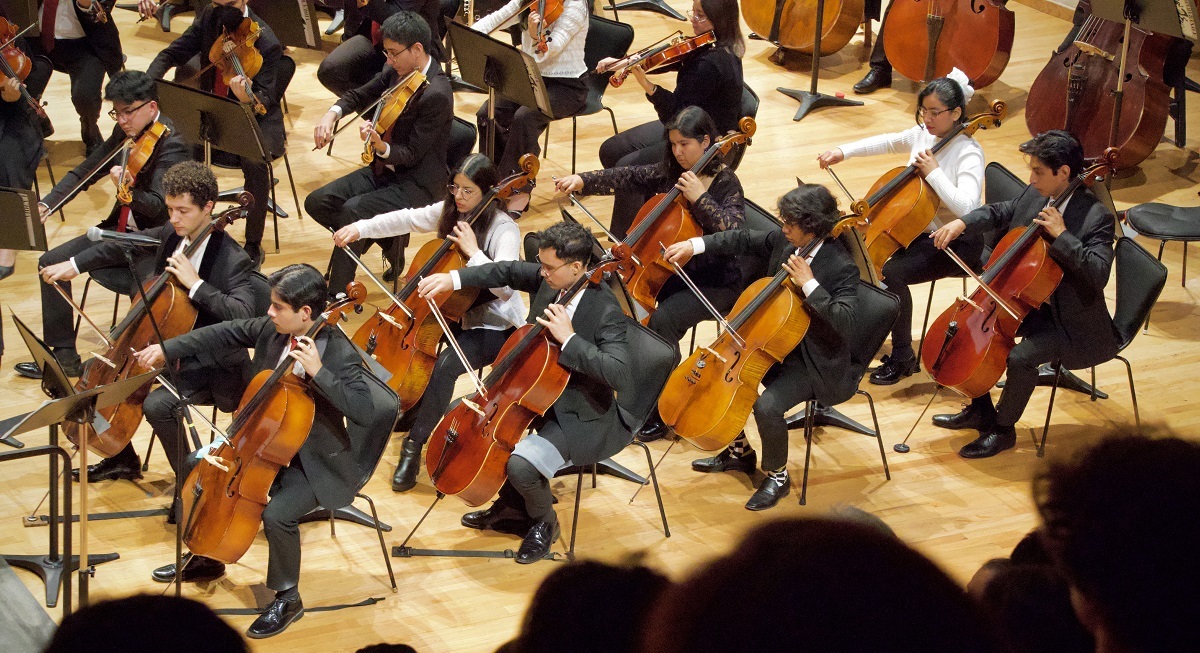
391, 274
874, 80
769, 492
990, 442
276, 618
537, 542
652, 430
113, 469
970, 417
71, 366
196, 569
727, 462
405, 477
893, 370
500, 518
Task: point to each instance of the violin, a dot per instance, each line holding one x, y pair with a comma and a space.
660, 56
966, 348
549, 10
137, 156
792, 24
708, 398
234, 55
174, 314
226, 492
926, 39
15, 64
93, 10
404, 337
471, 445
389, 108
1075, 91
901, 203
664, 220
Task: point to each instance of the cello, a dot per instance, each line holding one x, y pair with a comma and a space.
901, 204
404, 337
708, 398
226, 492
1074, 91
967, 346
663, 220
792, 24
925, 39
174, 314
470, 447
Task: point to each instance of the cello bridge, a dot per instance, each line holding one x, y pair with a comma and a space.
473, 406
973, 304
105, 361
715, 354
218, 462
1091, 49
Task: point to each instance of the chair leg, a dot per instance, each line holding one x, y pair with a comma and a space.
546, 143
657, 493
274, 208
1137, 417
1183, 277
613, 116
574, 137
332, 521
387, 559
149, 450
575, 517
292, 182
887, 473
925, 322
1041, 450
1146, 327
808, 432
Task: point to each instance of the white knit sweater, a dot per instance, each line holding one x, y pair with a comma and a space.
564, 53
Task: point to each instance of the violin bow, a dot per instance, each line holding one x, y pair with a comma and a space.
982, 284
462, 356
92, 173
382, 286
721, 322
103, 336
367, 109
19, 34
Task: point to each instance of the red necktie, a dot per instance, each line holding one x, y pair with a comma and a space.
123, 218
220, 88
49, 13
376, 33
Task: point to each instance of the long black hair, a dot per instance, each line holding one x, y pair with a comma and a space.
695, 123
727, 26
483, 173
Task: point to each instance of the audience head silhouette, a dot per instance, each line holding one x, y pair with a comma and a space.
147, 623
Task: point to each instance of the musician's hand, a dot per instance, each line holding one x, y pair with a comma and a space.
640, 75
151, 357
925, 163
11, 90
148, 8
557, 322
690, 185
58, 272
43, 212
830, 157
464, 236
434, 285
324, 131
114, 174
680, 253
240, 85
947, 233
1052, 221
307, 355
568, 184
181, 266
535, 19
604, 64
346, 235
798, 269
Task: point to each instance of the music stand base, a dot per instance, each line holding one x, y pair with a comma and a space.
657, 6
608, 467
347, 514
51, 571
825, 416
810, 101
507, 554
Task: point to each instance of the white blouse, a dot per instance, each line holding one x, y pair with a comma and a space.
564, 48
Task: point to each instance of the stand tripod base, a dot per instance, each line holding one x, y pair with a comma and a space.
507, 554
825, 416
810, 101
349, 514
51, 571
606, 466
657, 6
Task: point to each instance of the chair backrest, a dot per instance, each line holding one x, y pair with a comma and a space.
383, 411
462, 140
874, 315
1140, 280
750, 104
653, 361
1000, 184
605, 38
757, 219
262, 293
283, 78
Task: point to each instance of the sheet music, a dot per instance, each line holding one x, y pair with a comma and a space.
1187, 18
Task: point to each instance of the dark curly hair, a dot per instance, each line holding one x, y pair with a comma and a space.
192, 178
131, 87
810, 207
1056, 148
570, 241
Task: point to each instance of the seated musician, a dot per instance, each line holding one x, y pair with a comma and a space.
410, 158
582, 427
134, 99
956, 175
360, 54
217, 280
486, 326
819, 368
197, 41
324, 472
1074, 325
716, 202
709, 78
562, 68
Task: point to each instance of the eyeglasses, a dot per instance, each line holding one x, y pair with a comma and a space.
551, 270
125, 113
932, 113
455, 189
697, 17
392, 54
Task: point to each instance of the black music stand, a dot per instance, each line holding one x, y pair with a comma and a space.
218, 123
811, 99
293, 21
500, 68
657, 6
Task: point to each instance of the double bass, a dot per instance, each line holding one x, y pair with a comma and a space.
708, 398
664, 220
404, 337
792, 24
925, 39
225, 494
174, 314
1074, 91
901, 203
967, 347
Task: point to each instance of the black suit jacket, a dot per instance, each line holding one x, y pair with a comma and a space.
358, 21
198, 40
823, 351
420, 136
1076, 310
598, 356
340, 391
103, 37
148, 206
